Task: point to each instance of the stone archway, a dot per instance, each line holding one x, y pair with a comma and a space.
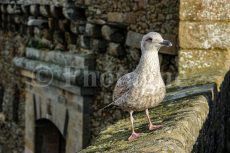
48, 138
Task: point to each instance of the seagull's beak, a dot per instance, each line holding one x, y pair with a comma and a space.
166, 43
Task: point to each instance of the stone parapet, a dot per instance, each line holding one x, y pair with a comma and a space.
182, 120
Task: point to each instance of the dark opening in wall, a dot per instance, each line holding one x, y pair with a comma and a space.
48, 138
1, 97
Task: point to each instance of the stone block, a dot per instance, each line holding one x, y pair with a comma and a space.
115, 49
204, 35
133, 39
116, 17
34, 10
196, 61
123, 18
204, 10
93, 30
45, 10
4, 9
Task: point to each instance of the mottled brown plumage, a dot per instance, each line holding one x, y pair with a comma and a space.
143, 88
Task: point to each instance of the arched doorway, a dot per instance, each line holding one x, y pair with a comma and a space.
48, 138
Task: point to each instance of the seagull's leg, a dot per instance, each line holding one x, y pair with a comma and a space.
151, 126
134, 135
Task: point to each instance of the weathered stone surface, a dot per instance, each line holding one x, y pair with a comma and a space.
45, 10
204, 35
178, 119
122, 18
93, 30
72, 75
115, 49
204, 10
116, 17
202, 61
60, 105
34, 10
60, 58
133, 39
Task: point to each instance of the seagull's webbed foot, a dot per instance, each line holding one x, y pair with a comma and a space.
154, 127
151, 126
134, 136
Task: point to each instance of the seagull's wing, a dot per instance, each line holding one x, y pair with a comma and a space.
123, 85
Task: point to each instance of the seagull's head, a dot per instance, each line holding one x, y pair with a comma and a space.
153, 41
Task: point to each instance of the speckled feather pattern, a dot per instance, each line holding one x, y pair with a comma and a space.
143, 88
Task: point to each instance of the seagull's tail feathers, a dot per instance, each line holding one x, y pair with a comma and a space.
106, 106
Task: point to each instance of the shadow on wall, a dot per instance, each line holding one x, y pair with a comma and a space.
215, 136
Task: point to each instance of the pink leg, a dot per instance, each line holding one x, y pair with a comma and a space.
151, 126
134, 135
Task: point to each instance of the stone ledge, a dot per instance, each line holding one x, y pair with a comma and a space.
178, 134
62, 58
44, 70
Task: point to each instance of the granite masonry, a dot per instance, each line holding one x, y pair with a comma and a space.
60, 60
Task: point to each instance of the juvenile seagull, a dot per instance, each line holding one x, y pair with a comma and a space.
143, 88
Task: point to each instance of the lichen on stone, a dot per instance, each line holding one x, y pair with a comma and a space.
177, 135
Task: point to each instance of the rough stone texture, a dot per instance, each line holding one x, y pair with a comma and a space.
204, 10
133, 39
92, 32
199, 61
204, 35
12, 104
178, 134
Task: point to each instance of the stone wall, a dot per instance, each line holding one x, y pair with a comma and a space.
204, 37
12, 104
110, 31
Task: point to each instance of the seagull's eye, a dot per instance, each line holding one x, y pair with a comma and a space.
149, 39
